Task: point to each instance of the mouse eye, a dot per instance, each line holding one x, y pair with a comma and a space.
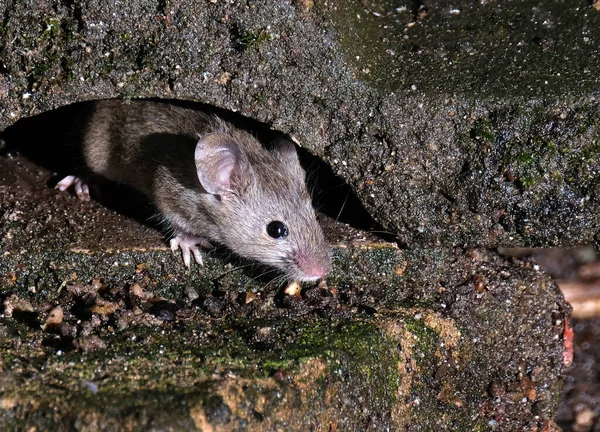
277, 229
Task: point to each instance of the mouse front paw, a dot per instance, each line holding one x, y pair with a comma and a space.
189, 246
80, 187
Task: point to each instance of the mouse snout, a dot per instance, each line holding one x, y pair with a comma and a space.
311, 265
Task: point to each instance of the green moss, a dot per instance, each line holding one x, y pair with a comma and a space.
41, 67
260, 98
278, 355
527, 182
426, 339
52, 31
584, 163
482, 131
525, 159
254, 39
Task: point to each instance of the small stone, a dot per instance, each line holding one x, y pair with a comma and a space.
8, 403
531, 394
585, 417
90, 385
480, 283
55, 317
90, 343
68, 330
97, 284
250, 297
164, 311
306, 5
16, 304
496, 389
191, 293
104, 307
293, 289
137, 291
223, 79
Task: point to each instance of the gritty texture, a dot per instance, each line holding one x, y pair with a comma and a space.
102, 332
401, 350
463, 123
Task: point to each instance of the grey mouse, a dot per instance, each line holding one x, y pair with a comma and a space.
212, 182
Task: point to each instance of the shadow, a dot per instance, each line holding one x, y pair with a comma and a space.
53, 140
333, 197
50, 139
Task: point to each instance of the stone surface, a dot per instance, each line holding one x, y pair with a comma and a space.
458, 339
454, 123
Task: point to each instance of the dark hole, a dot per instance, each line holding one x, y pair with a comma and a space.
81, 310
59, 343
333, 197
164, 310
28, 318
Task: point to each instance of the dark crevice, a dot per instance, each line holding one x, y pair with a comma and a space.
78, 16
333, 197
6, 16
65, 67
3, 27
235, 37
30, 319
52, 140
417, 7
161, 6
171, 82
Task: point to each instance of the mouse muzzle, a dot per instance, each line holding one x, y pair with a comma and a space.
311, 265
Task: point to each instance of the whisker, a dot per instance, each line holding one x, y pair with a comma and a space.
381, 232
275, 281
236, 269
263, 274
343, 205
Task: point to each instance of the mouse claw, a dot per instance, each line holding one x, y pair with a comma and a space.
81, 188
188, 245
197, 255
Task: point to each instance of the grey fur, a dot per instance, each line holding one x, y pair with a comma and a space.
152, 147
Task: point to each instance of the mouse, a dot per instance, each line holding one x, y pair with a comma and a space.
212, 183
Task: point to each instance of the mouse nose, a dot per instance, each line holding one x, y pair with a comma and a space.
317, 271
313, 267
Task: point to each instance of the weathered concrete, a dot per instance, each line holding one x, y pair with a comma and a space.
437, 338
455, 124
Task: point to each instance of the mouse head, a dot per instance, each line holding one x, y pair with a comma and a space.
260, 205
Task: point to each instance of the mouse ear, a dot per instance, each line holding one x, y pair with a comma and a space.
289, 155
221, 164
